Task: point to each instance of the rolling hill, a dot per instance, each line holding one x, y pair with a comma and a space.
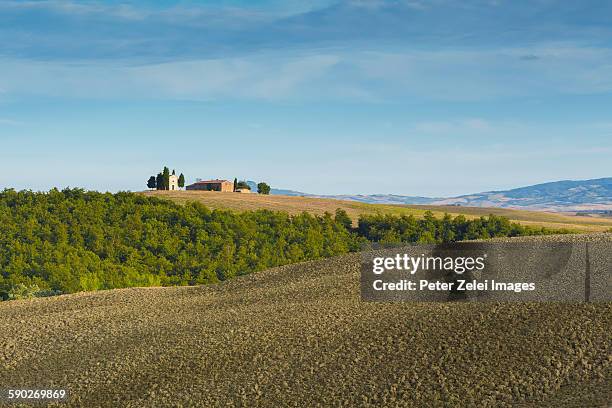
565, 196
299, 335
317, 205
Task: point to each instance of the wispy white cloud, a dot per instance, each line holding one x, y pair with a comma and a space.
261, 77
455, 75
179, 13
463, 125
607, 126
10, 122
490, 73
145, 31
255, 78
75, 8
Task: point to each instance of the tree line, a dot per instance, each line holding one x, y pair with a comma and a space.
72, 240
75, 240
393, 229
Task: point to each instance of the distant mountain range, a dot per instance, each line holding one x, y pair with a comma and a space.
567, 195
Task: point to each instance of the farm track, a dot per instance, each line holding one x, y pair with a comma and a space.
299, 335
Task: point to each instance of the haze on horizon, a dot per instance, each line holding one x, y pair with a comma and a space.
430, 98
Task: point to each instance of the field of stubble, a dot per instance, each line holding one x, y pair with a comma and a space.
314, 205
300, 336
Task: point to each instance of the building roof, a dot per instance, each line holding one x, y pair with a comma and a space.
212, 181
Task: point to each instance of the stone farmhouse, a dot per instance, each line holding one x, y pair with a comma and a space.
212, 185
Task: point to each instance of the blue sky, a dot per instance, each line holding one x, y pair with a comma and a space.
412, 97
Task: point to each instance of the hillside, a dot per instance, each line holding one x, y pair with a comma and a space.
74, 240
299, 335
566, 196
295, 205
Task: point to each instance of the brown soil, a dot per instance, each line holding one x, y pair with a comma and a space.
299, 335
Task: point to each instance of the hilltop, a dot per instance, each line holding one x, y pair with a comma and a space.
564, 196
317, 205
299, 335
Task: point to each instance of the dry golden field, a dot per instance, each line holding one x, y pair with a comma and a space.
295, 205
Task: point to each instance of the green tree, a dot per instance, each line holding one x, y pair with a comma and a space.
166, 174
263, 188
173, 172
242, 184
181, 181
343, 219
73, 240
235, 184
152, 183
159, 181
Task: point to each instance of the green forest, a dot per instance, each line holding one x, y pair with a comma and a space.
429, 229
74, 240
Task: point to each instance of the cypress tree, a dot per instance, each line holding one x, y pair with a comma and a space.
166, 175
152, 183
